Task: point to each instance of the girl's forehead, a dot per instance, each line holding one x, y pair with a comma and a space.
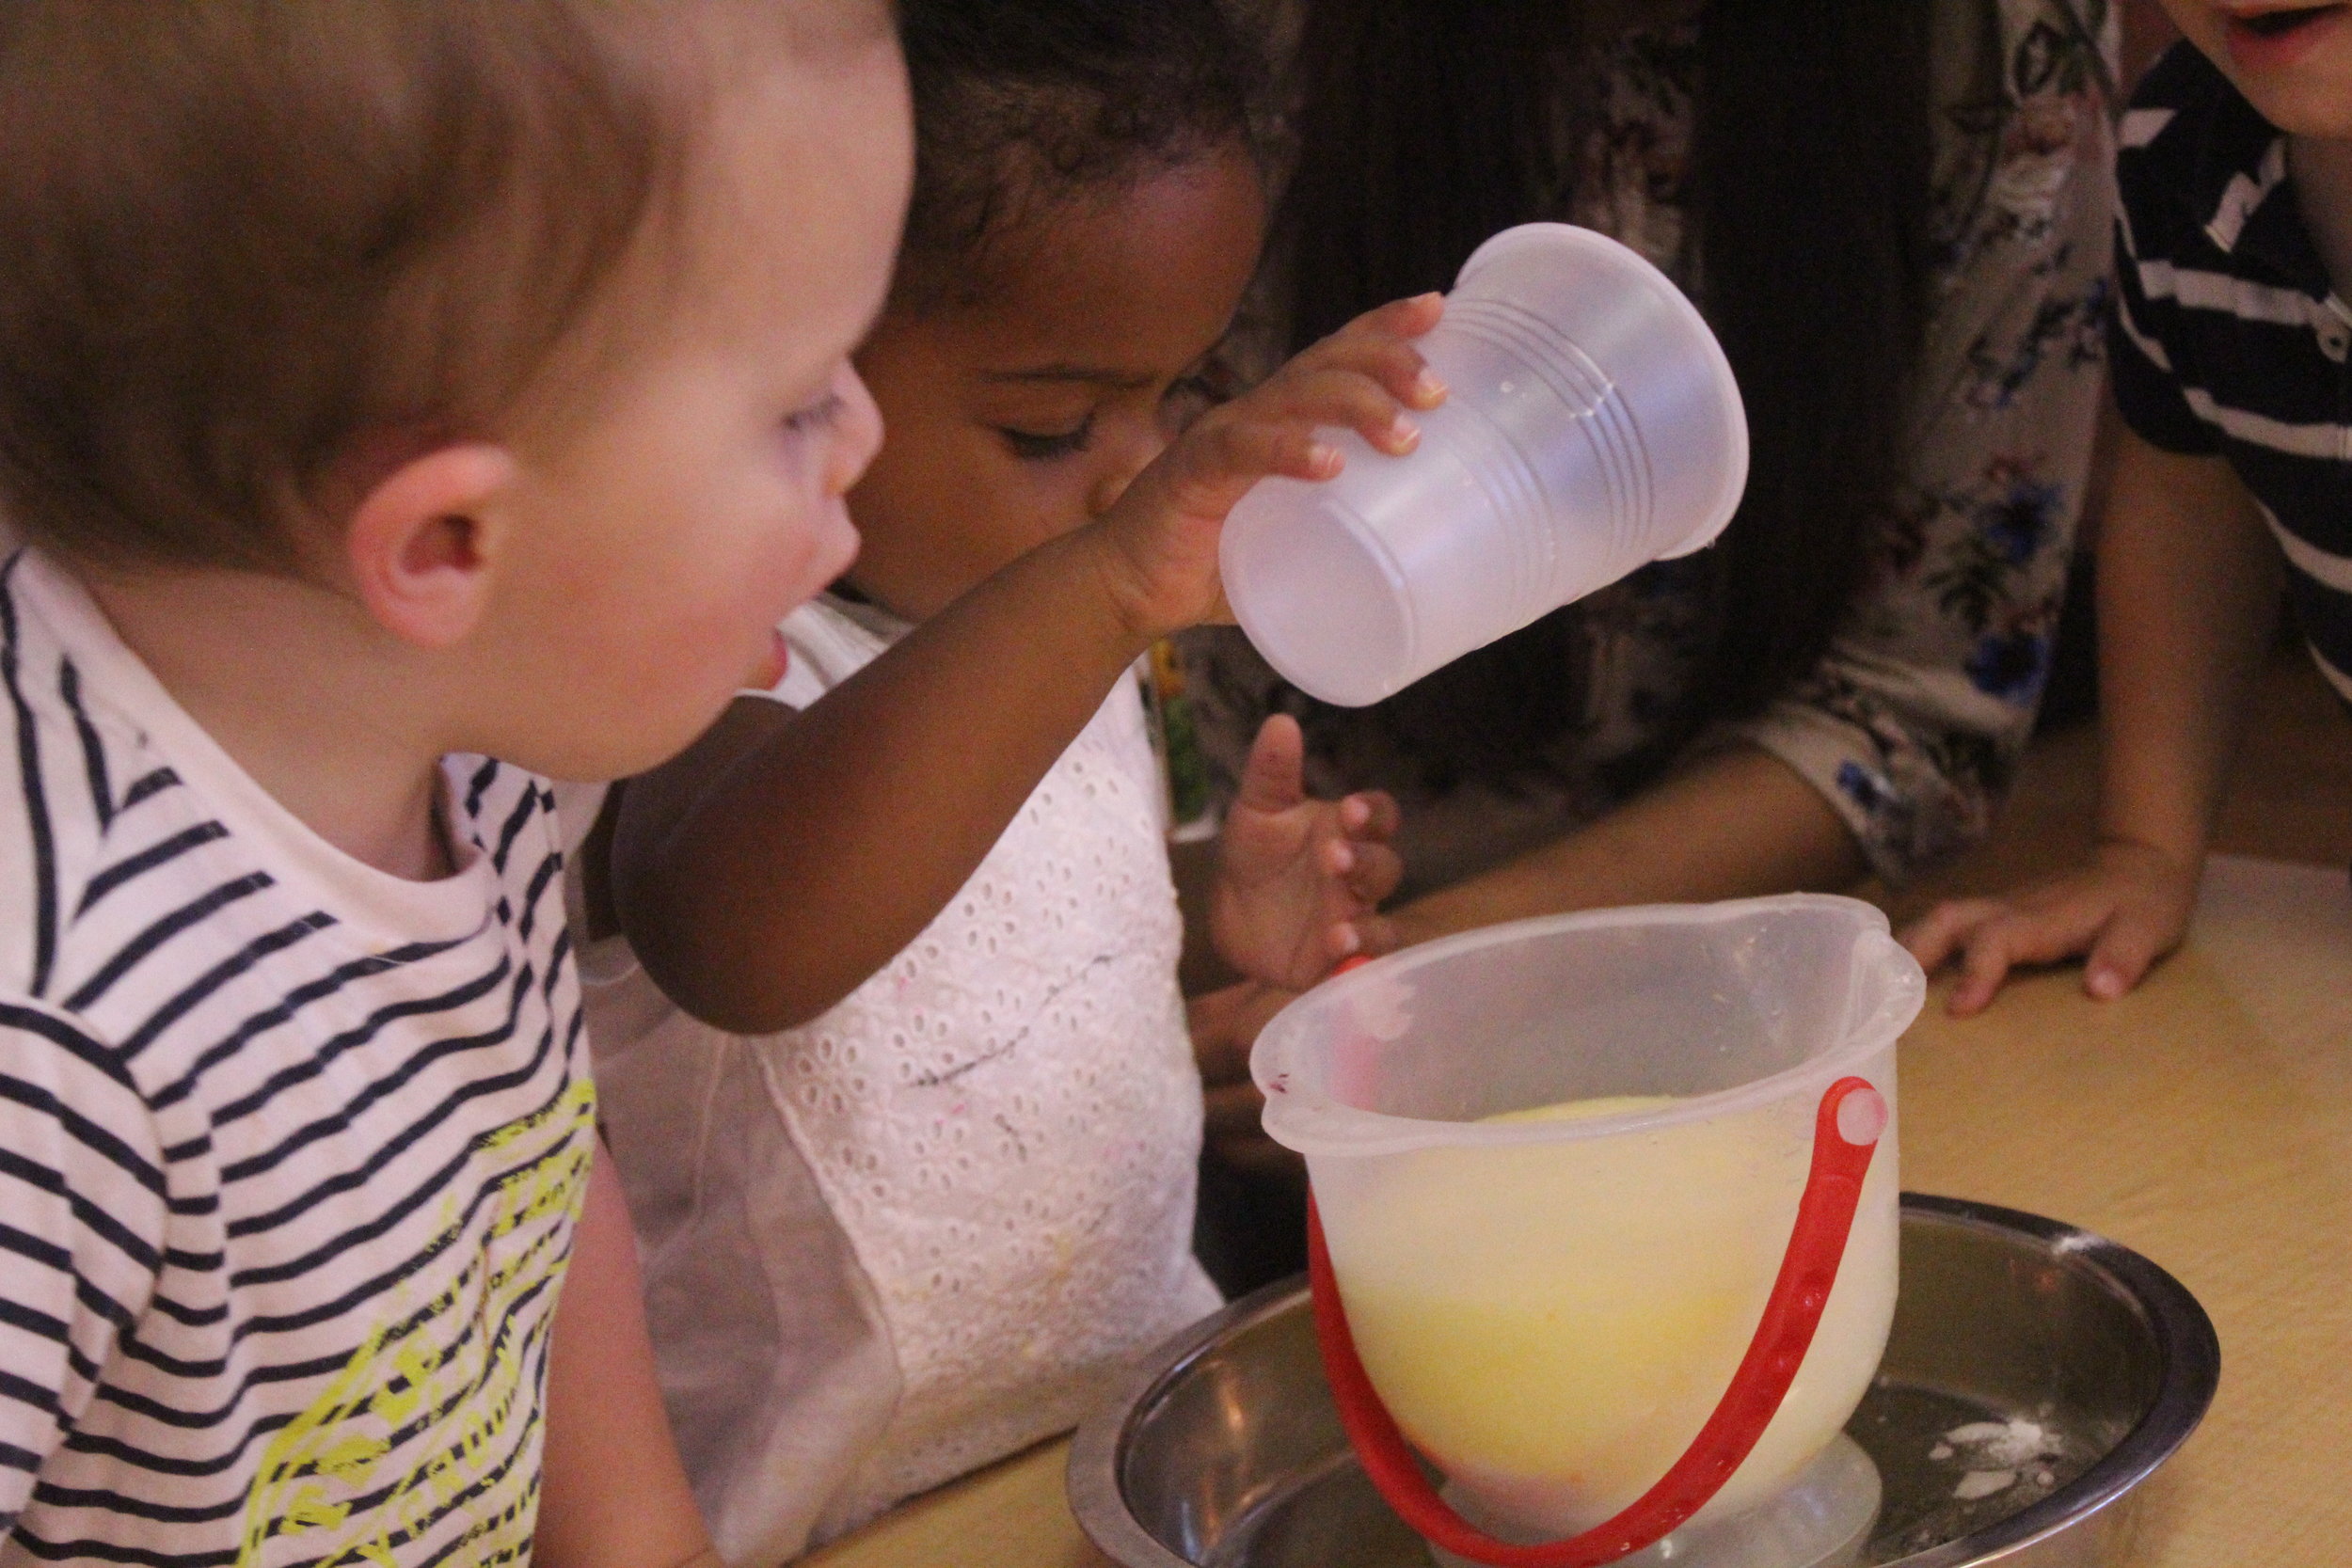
1139, 279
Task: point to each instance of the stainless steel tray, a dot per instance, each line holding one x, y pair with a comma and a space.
2022, 1347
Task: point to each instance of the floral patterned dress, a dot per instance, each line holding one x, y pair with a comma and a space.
1912, 724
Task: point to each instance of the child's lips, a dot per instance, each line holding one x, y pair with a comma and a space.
2277, 35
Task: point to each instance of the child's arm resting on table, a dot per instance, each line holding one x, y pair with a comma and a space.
611, 1492
2188, 590
1299, 880
763, 875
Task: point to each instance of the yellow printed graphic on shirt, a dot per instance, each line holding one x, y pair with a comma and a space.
433, 1416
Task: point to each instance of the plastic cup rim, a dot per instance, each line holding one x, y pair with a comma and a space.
1634, 265
1341, 1128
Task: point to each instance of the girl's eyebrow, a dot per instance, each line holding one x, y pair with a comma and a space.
1091, 375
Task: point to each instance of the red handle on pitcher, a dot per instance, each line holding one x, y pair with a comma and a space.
1845, 1136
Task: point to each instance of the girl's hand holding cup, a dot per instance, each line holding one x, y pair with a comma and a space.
1159, 540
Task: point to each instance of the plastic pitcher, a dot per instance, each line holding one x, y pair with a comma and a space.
1557, 1166
1592, 426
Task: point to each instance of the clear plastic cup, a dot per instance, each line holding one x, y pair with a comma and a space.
1593, 426
1552, 1305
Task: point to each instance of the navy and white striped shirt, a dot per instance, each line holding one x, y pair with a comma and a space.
291, 1149
2230, 338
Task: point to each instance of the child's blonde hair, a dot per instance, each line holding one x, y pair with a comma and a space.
246, 241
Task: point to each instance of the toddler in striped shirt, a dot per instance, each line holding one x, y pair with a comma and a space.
385, 386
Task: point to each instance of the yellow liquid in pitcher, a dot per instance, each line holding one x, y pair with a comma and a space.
1587, 1110
1552, 1324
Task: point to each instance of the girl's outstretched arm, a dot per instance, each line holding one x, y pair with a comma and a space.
764, 874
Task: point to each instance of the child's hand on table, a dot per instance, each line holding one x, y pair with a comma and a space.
1159, 540
2125, 910
1299, 880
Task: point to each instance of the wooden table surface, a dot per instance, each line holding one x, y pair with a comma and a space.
2205, 1120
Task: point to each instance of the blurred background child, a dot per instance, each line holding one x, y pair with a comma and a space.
2232, 261
920, 1231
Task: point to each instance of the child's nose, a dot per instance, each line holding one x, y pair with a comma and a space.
858, 433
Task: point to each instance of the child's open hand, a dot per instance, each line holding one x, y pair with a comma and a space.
2129, 909
1299, 880
1162, 533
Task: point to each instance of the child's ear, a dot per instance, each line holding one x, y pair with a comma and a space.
424, 542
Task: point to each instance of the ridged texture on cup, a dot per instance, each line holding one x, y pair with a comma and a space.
1593, 426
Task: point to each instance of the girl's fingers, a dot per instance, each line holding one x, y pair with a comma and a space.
2059, 931
1275, 431
1940, 933
1340, 397
1375, 934
1985, 964
1365, 377
2044, 936
1370, 867
1369, 815
2108, 913
2123, 954
1216, 463
1271, 777
1396, 366
1375, 873
1404, 318
2108, 977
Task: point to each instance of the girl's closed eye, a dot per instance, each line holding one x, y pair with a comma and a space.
1032, 446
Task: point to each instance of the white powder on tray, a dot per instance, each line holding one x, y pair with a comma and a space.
1995, 1453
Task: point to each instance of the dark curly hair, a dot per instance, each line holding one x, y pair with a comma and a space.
1021, 103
